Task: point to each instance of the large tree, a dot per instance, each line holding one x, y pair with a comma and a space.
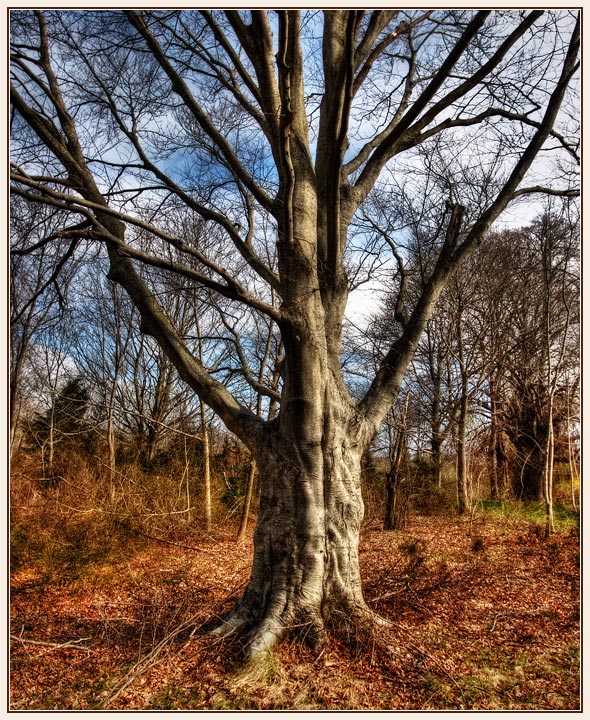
283, 122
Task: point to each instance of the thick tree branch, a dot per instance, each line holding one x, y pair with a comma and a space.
245, 370
538, 189
257, 41
232, 289
340, 29
233, 56
228, 75
402, 29
377, 23
461, 90
510, 188
378, 398
357, 162
51, 280
493, 112
244, 248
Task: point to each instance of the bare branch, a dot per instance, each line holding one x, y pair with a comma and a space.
538, 189
181, 88
231, 289
384, 150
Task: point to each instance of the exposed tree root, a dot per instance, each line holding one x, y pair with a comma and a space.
236, 621
361, 628
354, 622
264, 637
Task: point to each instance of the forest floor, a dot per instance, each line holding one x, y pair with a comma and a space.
485, 615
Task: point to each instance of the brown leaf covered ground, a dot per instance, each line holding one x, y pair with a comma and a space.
485, 615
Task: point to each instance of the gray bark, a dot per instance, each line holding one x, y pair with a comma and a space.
463, 489
247, 501
206, 466
395, 504
306, 560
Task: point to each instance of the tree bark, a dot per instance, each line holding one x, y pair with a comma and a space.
51, 442
548, 474
271, 412
247, 501
574, 475
494, 469
463, 495
463, 490
14, 389
306, 563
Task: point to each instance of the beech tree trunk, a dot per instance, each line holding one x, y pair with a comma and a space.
306, 561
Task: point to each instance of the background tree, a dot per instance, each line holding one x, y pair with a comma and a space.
397, 478
556, 240
39, 292
119, 118
63, 423
518, 386
52, 375
106, 327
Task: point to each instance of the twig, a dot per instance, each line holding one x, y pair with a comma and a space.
146, 662
54, 646
425, 654
164, 540
498, 615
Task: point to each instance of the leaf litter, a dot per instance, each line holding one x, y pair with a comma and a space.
484, 615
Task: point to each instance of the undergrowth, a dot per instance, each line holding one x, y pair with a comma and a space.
111, 602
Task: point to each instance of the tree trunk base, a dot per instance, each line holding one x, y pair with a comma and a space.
305, 568
346, 619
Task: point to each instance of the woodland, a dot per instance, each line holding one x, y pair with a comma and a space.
295, 360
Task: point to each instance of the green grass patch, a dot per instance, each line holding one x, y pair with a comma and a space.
565, 517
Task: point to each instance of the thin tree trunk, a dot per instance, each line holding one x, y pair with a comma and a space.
395, 508
437, 436
119, 356
571, 462
493, 447
186, 478
111, 447
206, 467
553, 370
463, 494
434, 358
548, 475
14, 402
252, 470
51, 441
247, 501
